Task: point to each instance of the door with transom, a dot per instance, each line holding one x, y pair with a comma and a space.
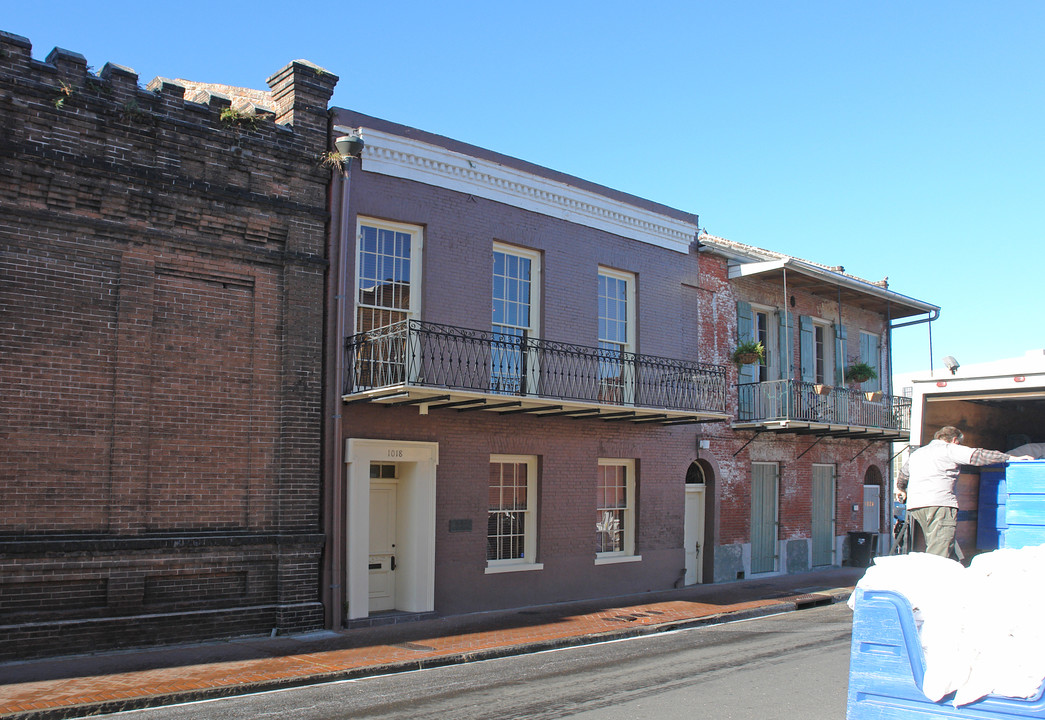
383, 518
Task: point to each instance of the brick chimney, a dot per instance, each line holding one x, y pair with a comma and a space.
301, 92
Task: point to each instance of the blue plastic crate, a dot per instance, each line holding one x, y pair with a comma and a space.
1025, 477
887, 667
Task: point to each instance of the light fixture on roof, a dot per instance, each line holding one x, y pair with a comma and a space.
951, 364
350, 146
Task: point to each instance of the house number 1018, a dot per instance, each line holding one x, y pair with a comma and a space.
395, 453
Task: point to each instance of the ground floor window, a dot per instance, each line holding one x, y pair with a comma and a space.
615, 508
511, 534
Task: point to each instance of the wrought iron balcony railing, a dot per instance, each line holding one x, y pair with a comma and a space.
424, 354
796, 401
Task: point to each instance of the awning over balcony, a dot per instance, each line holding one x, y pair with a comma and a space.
830, 283
791, 406
834, 285
435, 366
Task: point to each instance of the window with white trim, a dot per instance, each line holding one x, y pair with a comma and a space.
511, 531
616, 335
388, 273
819, 353
615, 509
516, 284
764, 331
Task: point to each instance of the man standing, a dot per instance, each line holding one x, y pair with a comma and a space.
930, 474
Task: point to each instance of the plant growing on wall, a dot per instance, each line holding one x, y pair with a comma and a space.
231, 117
65, 91
749, 352
333, 160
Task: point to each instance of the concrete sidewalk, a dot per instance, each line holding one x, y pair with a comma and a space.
84, 685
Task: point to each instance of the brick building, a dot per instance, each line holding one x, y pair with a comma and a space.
539, 402
162, 266
805, 460
244, 392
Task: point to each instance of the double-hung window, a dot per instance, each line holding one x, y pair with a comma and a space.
516, 283
616, 372
387, 293
511, 531
615, 511
819, 354
388, 273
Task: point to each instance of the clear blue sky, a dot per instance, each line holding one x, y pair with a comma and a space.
899, 138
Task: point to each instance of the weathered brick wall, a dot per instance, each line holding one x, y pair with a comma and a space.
162, 264
732, 452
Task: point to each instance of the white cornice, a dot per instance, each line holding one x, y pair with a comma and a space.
402, 157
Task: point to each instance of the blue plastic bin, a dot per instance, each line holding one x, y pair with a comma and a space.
887, 667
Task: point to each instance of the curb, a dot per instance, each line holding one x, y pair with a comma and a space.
789, 604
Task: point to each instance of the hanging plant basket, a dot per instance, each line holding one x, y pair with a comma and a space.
860, 373
749, 352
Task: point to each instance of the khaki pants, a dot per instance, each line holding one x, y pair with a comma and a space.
938, 525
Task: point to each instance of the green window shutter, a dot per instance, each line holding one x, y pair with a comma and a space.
805, 347
746, 331
745, 322
869, 354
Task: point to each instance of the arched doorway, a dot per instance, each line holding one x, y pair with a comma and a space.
698, 477
873, 500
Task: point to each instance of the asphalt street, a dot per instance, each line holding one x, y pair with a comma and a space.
793, 665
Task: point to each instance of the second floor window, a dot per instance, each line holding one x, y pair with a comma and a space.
760, 319
516, 275
819, 354
388, 263
616, 335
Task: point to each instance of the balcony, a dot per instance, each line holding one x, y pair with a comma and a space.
439, 366
798, 407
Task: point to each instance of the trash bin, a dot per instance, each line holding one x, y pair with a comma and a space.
861, 548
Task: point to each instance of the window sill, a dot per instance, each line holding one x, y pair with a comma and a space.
513, 567
614, 559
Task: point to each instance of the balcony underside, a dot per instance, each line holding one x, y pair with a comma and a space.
803, 427
452, 400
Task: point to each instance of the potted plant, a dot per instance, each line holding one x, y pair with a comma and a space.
822, 389
749, 352
860, 372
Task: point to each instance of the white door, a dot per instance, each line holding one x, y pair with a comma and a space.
693, 534
382, 546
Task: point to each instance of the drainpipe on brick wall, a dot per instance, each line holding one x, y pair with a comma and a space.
334, 496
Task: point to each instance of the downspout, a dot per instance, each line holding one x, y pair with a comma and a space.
334, 569
839, 362
933, 315
787, 347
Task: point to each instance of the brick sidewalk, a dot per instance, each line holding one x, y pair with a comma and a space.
87, 685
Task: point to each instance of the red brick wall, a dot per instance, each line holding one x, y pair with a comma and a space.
796, 454
161, 314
